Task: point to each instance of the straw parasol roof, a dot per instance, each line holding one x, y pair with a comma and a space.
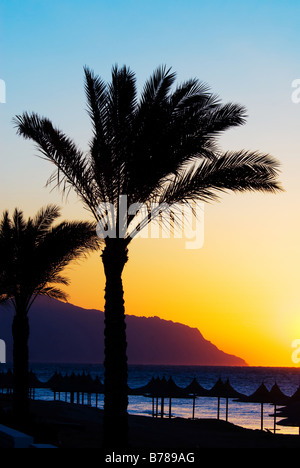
6, 380
194, 388
161, 388
34, 382
296, 396
224, 390
148, 388
262, 395
277, 397
75, 383
55, 382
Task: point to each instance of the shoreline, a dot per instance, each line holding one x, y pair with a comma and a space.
67, 425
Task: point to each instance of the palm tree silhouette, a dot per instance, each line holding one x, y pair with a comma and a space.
33, 254
157, 148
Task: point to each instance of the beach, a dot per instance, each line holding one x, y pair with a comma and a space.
66, 425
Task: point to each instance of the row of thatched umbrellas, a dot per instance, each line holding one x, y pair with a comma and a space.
289, 406
77, 385
161, 388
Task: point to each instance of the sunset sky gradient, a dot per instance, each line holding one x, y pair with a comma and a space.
241, 289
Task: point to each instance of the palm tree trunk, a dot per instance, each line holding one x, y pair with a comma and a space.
115, 424
20, 332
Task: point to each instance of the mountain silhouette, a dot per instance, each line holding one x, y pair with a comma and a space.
64, 333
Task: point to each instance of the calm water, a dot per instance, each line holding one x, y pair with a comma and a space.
243, 379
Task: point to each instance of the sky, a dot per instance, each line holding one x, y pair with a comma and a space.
241, 288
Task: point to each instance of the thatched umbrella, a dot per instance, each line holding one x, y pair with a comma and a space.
54, 383
151, 385
290, 410
291, 415
59, 383
156, 389
85, 384
70, 384
75, 383
34, 383
98, 388
261, 395
296, 395
196, 390
162, 388
277, 398
224, 390
174, 391
149, 390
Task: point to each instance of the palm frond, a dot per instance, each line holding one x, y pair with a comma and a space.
5, 224
45, 218
224, 117
34, 255
96, 94
157, 87
73, 168
234, 171
18, 220
160, 147
191, 93
54, 293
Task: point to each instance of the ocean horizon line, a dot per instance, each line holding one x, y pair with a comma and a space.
65, 363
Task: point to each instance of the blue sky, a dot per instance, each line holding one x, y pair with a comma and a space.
246, 51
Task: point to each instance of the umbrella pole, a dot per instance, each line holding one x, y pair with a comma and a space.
156, 406
194, 399
275, 406
226, 409
162, 407
153, 412
170, 404
218, 413
262, 417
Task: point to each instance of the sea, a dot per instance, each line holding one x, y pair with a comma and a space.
245, 380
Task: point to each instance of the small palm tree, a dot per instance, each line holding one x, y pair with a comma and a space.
33, 255
159, 148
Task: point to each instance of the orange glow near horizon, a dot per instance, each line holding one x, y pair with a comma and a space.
239, 289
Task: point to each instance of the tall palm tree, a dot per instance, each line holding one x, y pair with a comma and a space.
160, 148
33, 255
